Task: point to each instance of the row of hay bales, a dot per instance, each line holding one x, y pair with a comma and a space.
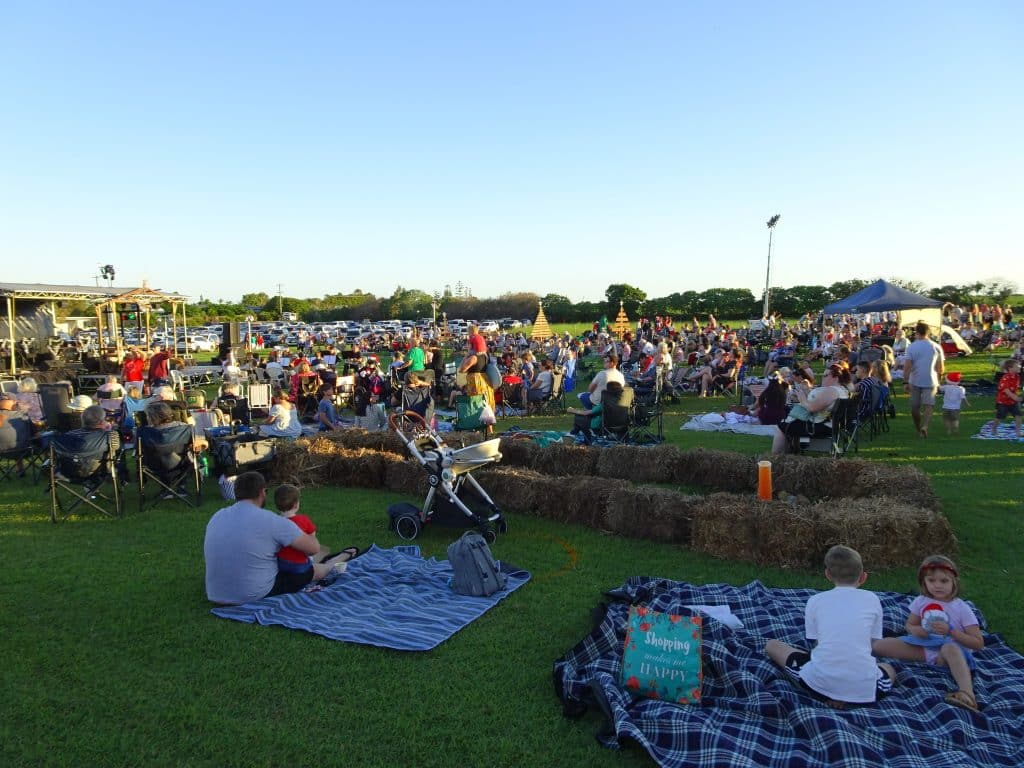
887, 512
814, 478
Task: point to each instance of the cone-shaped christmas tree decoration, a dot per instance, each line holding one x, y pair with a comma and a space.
541, 329
621, 324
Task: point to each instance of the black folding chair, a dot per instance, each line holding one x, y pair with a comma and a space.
616, 412
82, 464
166, 457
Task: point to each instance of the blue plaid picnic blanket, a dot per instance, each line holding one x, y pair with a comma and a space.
753, 716
392, 598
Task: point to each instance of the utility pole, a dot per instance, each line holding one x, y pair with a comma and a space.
768, 275
280, 310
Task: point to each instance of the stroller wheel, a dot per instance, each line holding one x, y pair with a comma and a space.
489, 535
502, 525
408, 527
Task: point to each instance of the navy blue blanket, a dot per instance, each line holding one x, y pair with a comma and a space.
392, 598
752, 715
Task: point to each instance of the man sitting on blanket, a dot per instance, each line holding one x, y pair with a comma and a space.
241, 546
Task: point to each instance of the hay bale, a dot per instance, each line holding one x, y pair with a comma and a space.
901, 481
406, 477
518, 451
787, 534
810, 476
620, 461
658, 514
563, 460
358, 469
353, 439
725, 525
582, 500
718, 470
512, 489
886, 532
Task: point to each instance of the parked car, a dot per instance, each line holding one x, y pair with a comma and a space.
200, 342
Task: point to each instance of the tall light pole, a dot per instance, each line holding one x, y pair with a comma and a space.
768, 275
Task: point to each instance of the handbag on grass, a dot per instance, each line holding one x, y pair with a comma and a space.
661, 656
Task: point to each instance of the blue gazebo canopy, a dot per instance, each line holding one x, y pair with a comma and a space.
880, 296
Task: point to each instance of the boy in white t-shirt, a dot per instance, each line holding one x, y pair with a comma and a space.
842, 622
954, 397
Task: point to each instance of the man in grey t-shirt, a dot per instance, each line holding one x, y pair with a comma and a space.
241, 545
922, 372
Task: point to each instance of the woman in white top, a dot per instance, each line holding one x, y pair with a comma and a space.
283, 420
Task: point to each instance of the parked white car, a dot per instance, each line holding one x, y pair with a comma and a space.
200, 342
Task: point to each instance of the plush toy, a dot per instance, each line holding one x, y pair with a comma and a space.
931, 614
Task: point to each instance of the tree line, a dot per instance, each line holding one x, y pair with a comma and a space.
723, 303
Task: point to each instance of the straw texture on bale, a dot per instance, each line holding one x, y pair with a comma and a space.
885, 531
655, 464
562, 460
518, 452
513, 489
320, 461
657, 514
406, 477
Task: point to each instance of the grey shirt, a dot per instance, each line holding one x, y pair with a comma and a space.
241, 552
924, 354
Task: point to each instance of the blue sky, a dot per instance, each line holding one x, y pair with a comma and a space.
220, 148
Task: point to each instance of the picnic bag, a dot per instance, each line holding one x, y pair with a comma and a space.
474, 571
661, 656
469, 409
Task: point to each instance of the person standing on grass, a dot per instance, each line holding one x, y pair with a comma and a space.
922, 371
1007, 397
241, 546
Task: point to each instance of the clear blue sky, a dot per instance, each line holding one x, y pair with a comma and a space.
217, 148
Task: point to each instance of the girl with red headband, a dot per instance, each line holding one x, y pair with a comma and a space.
942, 630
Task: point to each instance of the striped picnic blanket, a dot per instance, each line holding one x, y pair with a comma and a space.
753, 716
392, 598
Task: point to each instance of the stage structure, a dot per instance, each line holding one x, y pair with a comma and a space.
133, 310
31, 311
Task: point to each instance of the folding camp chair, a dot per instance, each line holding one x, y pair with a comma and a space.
165, 456
259, 398
551, 405
307, 401
57, 411
344, 388
82, 463
646, 420
616, 413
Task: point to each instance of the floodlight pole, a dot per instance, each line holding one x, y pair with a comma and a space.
768, 275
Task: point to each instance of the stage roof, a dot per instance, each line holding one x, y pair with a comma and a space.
52, 292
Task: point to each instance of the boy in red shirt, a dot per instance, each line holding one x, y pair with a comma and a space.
298, 567
1007, 398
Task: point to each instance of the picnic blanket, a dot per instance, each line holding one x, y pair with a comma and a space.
753, 716
391, 598
1005, 431
716, 422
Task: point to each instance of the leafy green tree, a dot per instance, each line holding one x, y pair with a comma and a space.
632, 299
558, 308
255, 299
844, 288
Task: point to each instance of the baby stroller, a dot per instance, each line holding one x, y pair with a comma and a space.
455, 499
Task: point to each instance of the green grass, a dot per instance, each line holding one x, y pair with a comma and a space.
112, 658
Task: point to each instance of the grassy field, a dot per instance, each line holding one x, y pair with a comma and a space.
112, 657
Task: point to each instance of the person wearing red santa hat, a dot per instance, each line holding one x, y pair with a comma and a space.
954, 397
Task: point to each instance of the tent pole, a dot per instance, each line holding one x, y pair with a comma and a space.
10, 331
